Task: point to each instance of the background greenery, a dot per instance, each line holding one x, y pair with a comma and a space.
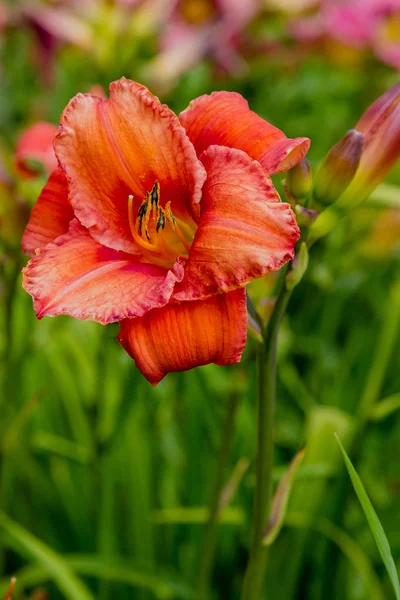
104, 480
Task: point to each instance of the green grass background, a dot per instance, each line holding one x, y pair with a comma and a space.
104, 480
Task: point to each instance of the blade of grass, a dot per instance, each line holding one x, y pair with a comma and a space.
349, 547
23, 542
385, 408
189, 515
373, 522
162, 585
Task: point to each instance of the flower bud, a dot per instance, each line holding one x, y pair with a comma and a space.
305, 216
380, 126
339, 168
299, 180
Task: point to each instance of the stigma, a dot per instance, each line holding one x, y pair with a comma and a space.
156, 230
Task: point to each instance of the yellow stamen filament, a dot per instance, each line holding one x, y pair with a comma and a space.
154, 241
182, 237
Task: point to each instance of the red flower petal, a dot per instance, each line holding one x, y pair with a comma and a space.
244, 230
178, 337
224, 118
51, 215
112, 148
77, 276
36, 143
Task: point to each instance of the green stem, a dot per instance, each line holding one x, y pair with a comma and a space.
384, 351
207, 549
371, 394
255, 573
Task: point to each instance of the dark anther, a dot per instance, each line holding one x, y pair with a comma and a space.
160, 220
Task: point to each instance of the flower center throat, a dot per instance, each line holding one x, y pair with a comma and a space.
161, 236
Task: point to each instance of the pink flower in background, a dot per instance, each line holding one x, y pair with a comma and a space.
194, 29
76, 23
35, 145
361, 24
34, 153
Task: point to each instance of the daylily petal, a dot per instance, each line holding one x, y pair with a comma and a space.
244, 231
112, 148
224, 118
77, 276
178, 337
36, 143
51, 215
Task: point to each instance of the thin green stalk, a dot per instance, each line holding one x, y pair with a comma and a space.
371, 394
384, 351
255, 573
208, 546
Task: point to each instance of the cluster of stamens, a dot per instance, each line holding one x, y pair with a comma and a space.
152, 213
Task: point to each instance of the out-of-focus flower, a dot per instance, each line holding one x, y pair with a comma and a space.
291, 6
39, 594
35, 153
361, 24
94, 26
154, 222
53, 25
381, 235
195, 29
383, 238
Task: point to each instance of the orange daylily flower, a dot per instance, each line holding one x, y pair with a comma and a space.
154, 222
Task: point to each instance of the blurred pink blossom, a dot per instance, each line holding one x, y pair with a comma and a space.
194, 29
362, 24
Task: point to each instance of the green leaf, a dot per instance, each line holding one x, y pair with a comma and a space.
23, 542
385, 407
281, 499
373, 522
350, 548
121, 571
233, 483
197, 514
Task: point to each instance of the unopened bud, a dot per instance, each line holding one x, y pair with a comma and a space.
299, 180
339, 168
299, 267
305, 216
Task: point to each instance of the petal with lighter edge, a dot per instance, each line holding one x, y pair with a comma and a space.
224, 118
114, 148
77, 276
178, 337
244, 230
51, 215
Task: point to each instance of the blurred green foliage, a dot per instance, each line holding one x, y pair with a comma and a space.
104, 480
